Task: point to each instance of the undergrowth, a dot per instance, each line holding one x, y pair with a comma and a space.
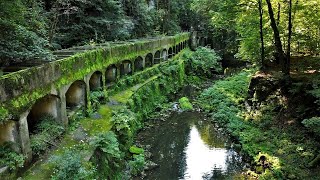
285, 152
10, 158
68, 166
45, 135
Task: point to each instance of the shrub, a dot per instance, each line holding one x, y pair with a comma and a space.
204, 61
10, 158
125, 124
97, 97
69, 166
137, 164
108, 155
185, 104
47, 131
313, 124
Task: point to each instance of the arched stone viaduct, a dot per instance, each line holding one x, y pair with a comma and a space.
61, 86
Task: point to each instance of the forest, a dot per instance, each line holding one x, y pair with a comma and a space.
255, 81
33, 29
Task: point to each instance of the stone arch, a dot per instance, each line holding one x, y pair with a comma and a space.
111, 74
95, 81
174, 50
148, 60
76, 95
126, 68
164, 55
157, 57
170, 53
177, 48
138, 64
202, 41
49, 105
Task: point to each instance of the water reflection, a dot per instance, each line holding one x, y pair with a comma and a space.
185, 147
201, 159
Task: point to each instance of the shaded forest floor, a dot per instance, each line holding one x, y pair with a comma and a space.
279, 108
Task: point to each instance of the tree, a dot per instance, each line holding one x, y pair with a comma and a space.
23, 31
287, 59
82, 21
261, 33
142, 16
277, 40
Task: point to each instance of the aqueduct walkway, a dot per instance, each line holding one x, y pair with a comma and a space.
52, 88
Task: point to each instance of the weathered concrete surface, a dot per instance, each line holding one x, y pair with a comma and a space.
19, 90
27, 95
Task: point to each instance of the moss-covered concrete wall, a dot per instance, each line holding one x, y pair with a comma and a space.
20, 90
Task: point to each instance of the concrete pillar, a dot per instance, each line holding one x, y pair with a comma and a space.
87, 101
24, 137
9, 133
63, 105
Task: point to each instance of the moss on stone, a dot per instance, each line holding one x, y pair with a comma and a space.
63, 71
185, 104
136, 150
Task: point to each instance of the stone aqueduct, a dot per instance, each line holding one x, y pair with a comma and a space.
55, 87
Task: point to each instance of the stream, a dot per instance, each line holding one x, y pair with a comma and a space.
185, 145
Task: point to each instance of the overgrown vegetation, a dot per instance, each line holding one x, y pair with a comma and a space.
204, 62
108, 156
30, 29
69, 166
48, 130
313, 124
10, 158
97, 97
125, 124
137, 164
277, 152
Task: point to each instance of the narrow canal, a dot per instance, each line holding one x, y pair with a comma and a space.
185, 145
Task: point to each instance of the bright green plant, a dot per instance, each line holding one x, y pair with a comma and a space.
185, 104
10, 158
125, 124
136, 150
68, 166
137, 164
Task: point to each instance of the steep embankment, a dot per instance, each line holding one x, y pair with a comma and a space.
265, 116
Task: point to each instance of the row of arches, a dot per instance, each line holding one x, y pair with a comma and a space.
76, 94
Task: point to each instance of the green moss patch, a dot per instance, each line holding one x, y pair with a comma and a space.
185, 104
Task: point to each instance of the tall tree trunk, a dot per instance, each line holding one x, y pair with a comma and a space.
276, 36
261, 34
287, 60
278, 16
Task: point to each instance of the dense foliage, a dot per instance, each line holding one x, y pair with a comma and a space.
69, 166
287, 150
10, 158
235, 25
204, 62
23, 32
125, 124
108, 156
29, 29
48, 130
